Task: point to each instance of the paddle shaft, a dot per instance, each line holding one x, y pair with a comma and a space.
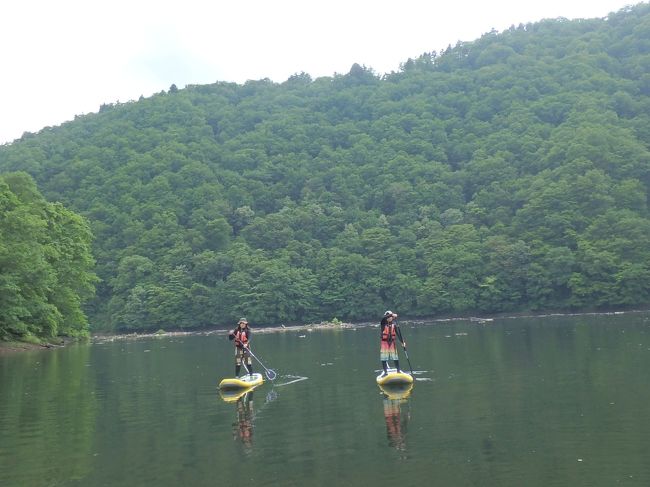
401, 339
246, 366
270, 373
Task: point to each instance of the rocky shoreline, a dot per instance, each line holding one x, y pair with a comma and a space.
11, 347
101, 338
14, 347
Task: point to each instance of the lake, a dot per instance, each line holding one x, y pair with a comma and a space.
553, 401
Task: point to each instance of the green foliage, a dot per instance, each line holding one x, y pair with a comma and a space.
505, 174
45, 264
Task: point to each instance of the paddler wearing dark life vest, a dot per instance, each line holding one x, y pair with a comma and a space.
242, 337
389, 335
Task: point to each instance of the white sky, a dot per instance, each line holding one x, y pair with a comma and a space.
61, 58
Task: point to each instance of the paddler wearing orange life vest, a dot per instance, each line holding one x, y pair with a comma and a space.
389, 335
242, 337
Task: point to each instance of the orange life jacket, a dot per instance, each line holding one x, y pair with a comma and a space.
241, 338
389, 330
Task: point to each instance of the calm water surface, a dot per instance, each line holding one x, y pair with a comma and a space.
559, 401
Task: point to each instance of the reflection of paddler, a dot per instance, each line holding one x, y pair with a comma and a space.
243, 429
395, 423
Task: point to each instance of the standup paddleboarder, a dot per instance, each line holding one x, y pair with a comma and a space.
242, 337
389, 335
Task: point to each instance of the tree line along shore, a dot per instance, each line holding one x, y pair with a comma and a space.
506, 174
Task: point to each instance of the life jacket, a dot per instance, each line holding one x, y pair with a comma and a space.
241, 337
388, 331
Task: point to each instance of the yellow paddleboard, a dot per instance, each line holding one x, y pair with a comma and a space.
243, 382
394, 378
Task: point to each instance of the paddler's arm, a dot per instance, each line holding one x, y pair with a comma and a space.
231, 336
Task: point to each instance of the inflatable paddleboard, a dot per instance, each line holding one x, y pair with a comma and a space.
243, 382
394, 378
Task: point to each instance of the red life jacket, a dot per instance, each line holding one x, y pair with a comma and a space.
241, 338
389, 330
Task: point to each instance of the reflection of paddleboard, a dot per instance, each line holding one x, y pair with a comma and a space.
397, 392
234, 395
243, 382
394, 378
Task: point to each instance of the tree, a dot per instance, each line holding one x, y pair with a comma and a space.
505, 173
45, 263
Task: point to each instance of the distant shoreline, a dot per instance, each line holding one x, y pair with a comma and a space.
16, 347
103, 338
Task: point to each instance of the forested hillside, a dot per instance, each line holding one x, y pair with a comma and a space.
509, 173
46, 264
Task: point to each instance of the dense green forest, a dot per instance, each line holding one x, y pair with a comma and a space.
505, 174
46, 264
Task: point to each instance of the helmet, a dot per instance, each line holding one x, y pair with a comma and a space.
388, 313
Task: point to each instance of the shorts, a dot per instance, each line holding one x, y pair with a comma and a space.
241, 353
388, 351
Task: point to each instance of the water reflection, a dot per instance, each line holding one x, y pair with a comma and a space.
570, 408
397, 414
47, 405
243, 428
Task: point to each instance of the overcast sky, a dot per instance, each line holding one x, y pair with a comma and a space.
61, 58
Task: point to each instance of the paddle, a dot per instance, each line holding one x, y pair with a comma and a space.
401, 339
247, 369
270, 373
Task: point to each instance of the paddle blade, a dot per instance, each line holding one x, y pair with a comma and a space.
270, 373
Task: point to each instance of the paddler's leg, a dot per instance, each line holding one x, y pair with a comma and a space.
249, 363
394, 356
237, 362
384, 356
